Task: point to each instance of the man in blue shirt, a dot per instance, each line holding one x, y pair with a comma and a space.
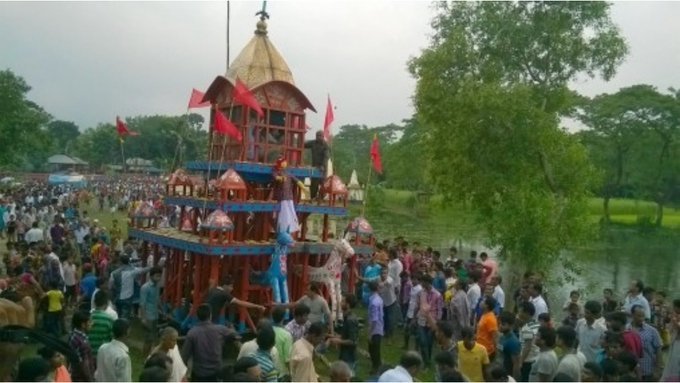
149, 307
88, 284
508, 345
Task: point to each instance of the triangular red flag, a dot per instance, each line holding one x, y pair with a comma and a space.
243, 96
123, 130
375, 155
328, 120
226, 127
195, 101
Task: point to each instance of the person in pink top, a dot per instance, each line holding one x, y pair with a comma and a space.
490, 267
406, 257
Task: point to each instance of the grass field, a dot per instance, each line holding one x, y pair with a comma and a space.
622, 211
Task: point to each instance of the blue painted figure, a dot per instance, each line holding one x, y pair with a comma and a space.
277, 275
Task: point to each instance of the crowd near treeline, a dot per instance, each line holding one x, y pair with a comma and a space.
450, 309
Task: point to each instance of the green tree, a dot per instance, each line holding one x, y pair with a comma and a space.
351, 150
168, 141
491, 90
615, 129
22, 122
62, 134
99, 146
657, 159
404, 160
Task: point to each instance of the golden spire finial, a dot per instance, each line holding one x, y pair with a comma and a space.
262, 24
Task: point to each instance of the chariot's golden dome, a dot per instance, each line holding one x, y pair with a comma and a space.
259, 62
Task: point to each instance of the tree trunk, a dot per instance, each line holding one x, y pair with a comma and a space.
659, 213
605, 203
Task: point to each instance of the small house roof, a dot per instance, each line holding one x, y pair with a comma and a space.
230, 180
61, 159
218, 220
360, 226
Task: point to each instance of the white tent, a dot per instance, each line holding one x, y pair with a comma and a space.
356, 193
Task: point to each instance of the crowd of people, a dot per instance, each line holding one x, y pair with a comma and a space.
92, 289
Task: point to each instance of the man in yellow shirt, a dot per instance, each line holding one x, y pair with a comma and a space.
55, 302
472, 357
302, 355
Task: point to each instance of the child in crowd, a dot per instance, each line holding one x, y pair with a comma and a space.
53, 314
573, 315
574, 298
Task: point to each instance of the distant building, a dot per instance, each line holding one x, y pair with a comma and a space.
136, 165
64, 163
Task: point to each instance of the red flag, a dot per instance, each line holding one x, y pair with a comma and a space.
226, 127
196, 98
243, 96
375, 155
328, 121
123, 130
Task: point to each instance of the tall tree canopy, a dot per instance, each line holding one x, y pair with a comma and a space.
491, 90
22, 122
63, 135
634, 139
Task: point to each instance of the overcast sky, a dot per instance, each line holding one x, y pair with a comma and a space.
88, 62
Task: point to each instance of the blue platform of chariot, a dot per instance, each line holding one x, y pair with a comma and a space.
253, 206
251, 171
191, 242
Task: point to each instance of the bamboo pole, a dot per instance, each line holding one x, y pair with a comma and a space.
368, 181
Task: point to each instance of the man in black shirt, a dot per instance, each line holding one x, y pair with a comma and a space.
320, 155
349, 333
219, 296
203, 346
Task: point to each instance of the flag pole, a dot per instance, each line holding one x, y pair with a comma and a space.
228, 22
122, 153
368, 181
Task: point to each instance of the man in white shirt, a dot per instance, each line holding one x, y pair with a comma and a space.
113, 359
635, 297
34, 235
473, 294
408, 366
498, 292
52, 256
250, 347
395, 267
535, 290
590, 329
573, 361
390, 304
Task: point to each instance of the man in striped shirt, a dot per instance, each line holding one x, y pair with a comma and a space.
266, 340
101, 330
650, 363
527, 335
